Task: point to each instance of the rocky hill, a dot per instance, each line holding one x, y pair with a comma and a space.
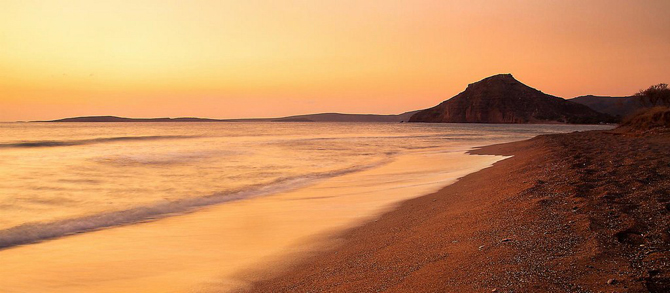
503, 99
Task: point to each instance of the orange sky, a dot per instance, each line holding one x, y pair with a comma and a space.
255, 58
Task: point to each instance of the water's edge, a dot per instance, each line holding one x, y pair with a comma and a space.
30, 233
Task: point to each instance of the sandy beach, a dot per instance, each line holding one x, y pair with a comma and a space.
579, 212
226, 247
575, 212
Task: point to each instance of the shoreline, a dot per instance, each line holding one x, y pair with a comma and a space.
211, 249
576, 212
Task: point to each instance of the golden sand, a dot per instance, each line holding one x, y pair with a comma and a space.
226, 246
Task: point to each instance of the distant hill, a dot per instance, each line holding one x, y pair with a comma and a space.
123, 119
503, 99
615, 106
323, 117
337, 117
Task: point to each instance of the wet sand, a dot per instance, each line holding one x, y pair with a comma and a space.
579, 212
225, 247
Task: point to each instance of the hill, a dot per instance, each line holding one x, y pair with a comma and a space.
503, 99
338, 117
322, 117
615, 106
124, 119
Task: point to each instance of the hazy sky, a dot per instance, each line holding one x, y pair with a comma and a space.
228, 59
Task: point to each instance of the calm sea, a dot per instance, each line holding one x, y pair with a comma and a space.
63, 178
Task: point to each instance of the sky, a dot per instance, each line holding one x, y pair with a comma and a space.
257, 58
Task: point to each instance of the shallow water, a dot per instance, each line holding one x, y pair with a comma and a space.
305, 179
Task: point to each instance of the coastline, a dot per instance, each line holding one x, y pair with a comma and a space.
578, 212
211, 249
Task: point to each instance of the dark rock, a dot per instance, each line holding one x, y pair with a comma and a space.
503, 99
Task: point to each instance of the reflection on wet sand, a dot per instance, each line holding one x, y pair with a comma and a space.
223, 247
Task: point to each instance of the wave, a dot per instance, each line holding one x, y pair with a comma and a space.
36, 232
60, 143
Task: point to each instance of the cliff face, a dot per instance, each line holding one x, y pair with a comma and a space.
503, 99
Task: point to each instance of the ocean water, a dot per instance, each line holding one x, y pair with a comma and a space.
64, 178
209, 207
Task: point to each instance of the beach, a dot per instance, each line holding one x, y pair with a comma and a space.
566, 212
224, 247
334, 146
164, 207
578, 212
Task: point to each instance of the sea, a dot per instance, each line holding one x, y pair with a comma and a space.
68, 180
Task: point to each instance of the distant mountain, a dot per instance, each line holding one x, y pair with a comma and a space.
123, 119
337, 117
323, 117
615, 106
503, 99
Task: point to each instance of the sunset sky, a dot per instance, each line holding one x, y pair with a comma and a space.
231, 59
